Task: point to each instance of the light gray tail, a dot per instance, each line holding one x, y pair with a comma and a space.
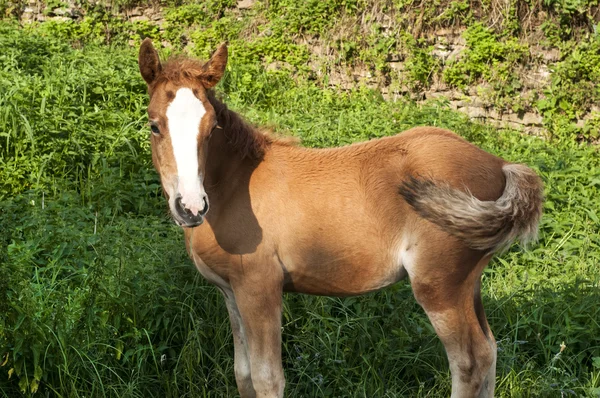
482, 225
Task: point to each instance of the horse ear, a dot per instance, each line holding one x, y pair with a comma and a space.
213, 70
148, 61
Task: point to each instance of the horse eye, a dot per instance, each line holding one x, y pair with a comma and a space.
155, 130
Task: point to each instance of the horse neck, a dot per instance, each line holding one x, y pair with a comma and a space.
234, 150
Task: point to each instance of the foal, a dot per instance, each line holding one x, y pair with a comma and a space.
343, 221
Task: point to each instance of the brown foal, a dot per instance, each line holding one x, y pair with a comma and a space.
343, 221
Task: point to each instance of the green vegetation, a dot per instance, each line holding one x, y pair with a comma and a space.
98, 297
317, 39
487, 58
574, 90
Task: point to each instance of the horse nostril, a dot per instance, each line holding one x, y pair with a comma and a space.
187, 213
179, 205
185, 217
205, 206
181, 209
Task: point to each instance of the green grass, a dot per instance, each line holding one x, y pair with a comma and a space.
317, 38
98, 298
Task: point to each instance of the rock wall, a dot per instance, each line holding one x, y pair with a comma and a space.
448, 45
36, 10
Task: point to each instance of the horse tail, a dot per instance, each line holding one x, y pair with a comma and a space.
482, 225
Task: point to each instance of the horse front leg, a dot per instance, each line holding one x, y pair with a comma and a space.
240, 344
259, 304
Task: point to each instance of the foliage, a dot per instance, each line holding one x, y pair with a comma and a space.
324, 39
494, 62
574, 87
457, 12
486, 57
99, 298
72, 317
569, 15
420, 64
307, 17
52, 114
178, 20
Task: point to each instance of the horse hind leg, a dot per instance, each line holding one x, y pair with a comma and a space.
489, 383
458, 319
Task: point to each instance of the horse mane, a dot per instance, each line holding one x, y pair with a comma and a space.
247, 140
244, 138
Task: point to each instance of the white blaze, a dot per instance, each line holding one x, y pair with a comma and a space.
184, 115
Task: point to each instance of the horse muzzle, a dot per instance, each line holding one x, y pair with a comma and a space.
185, 217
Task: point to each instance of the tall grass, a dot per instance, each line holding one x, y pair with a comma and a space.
99, 299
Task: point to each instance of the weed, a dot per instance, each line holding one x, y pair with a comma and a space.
98, 297
573, 89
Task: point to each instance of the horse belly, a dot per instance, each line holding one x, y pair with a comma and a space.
339, 274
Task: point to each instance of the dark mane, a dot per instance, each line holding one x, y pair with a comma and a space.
249, 141
243, 137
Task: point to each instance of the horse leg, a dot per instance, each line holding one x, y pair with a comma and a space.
489, 384
260, 305
451, 305
240, 344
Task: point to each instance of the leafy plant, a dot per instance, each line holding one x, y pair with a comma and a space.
486, 57
573, 89
98, 297
420, 64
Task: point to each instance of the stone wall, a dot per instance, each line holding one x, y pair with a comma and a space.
449, 45
36, 10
